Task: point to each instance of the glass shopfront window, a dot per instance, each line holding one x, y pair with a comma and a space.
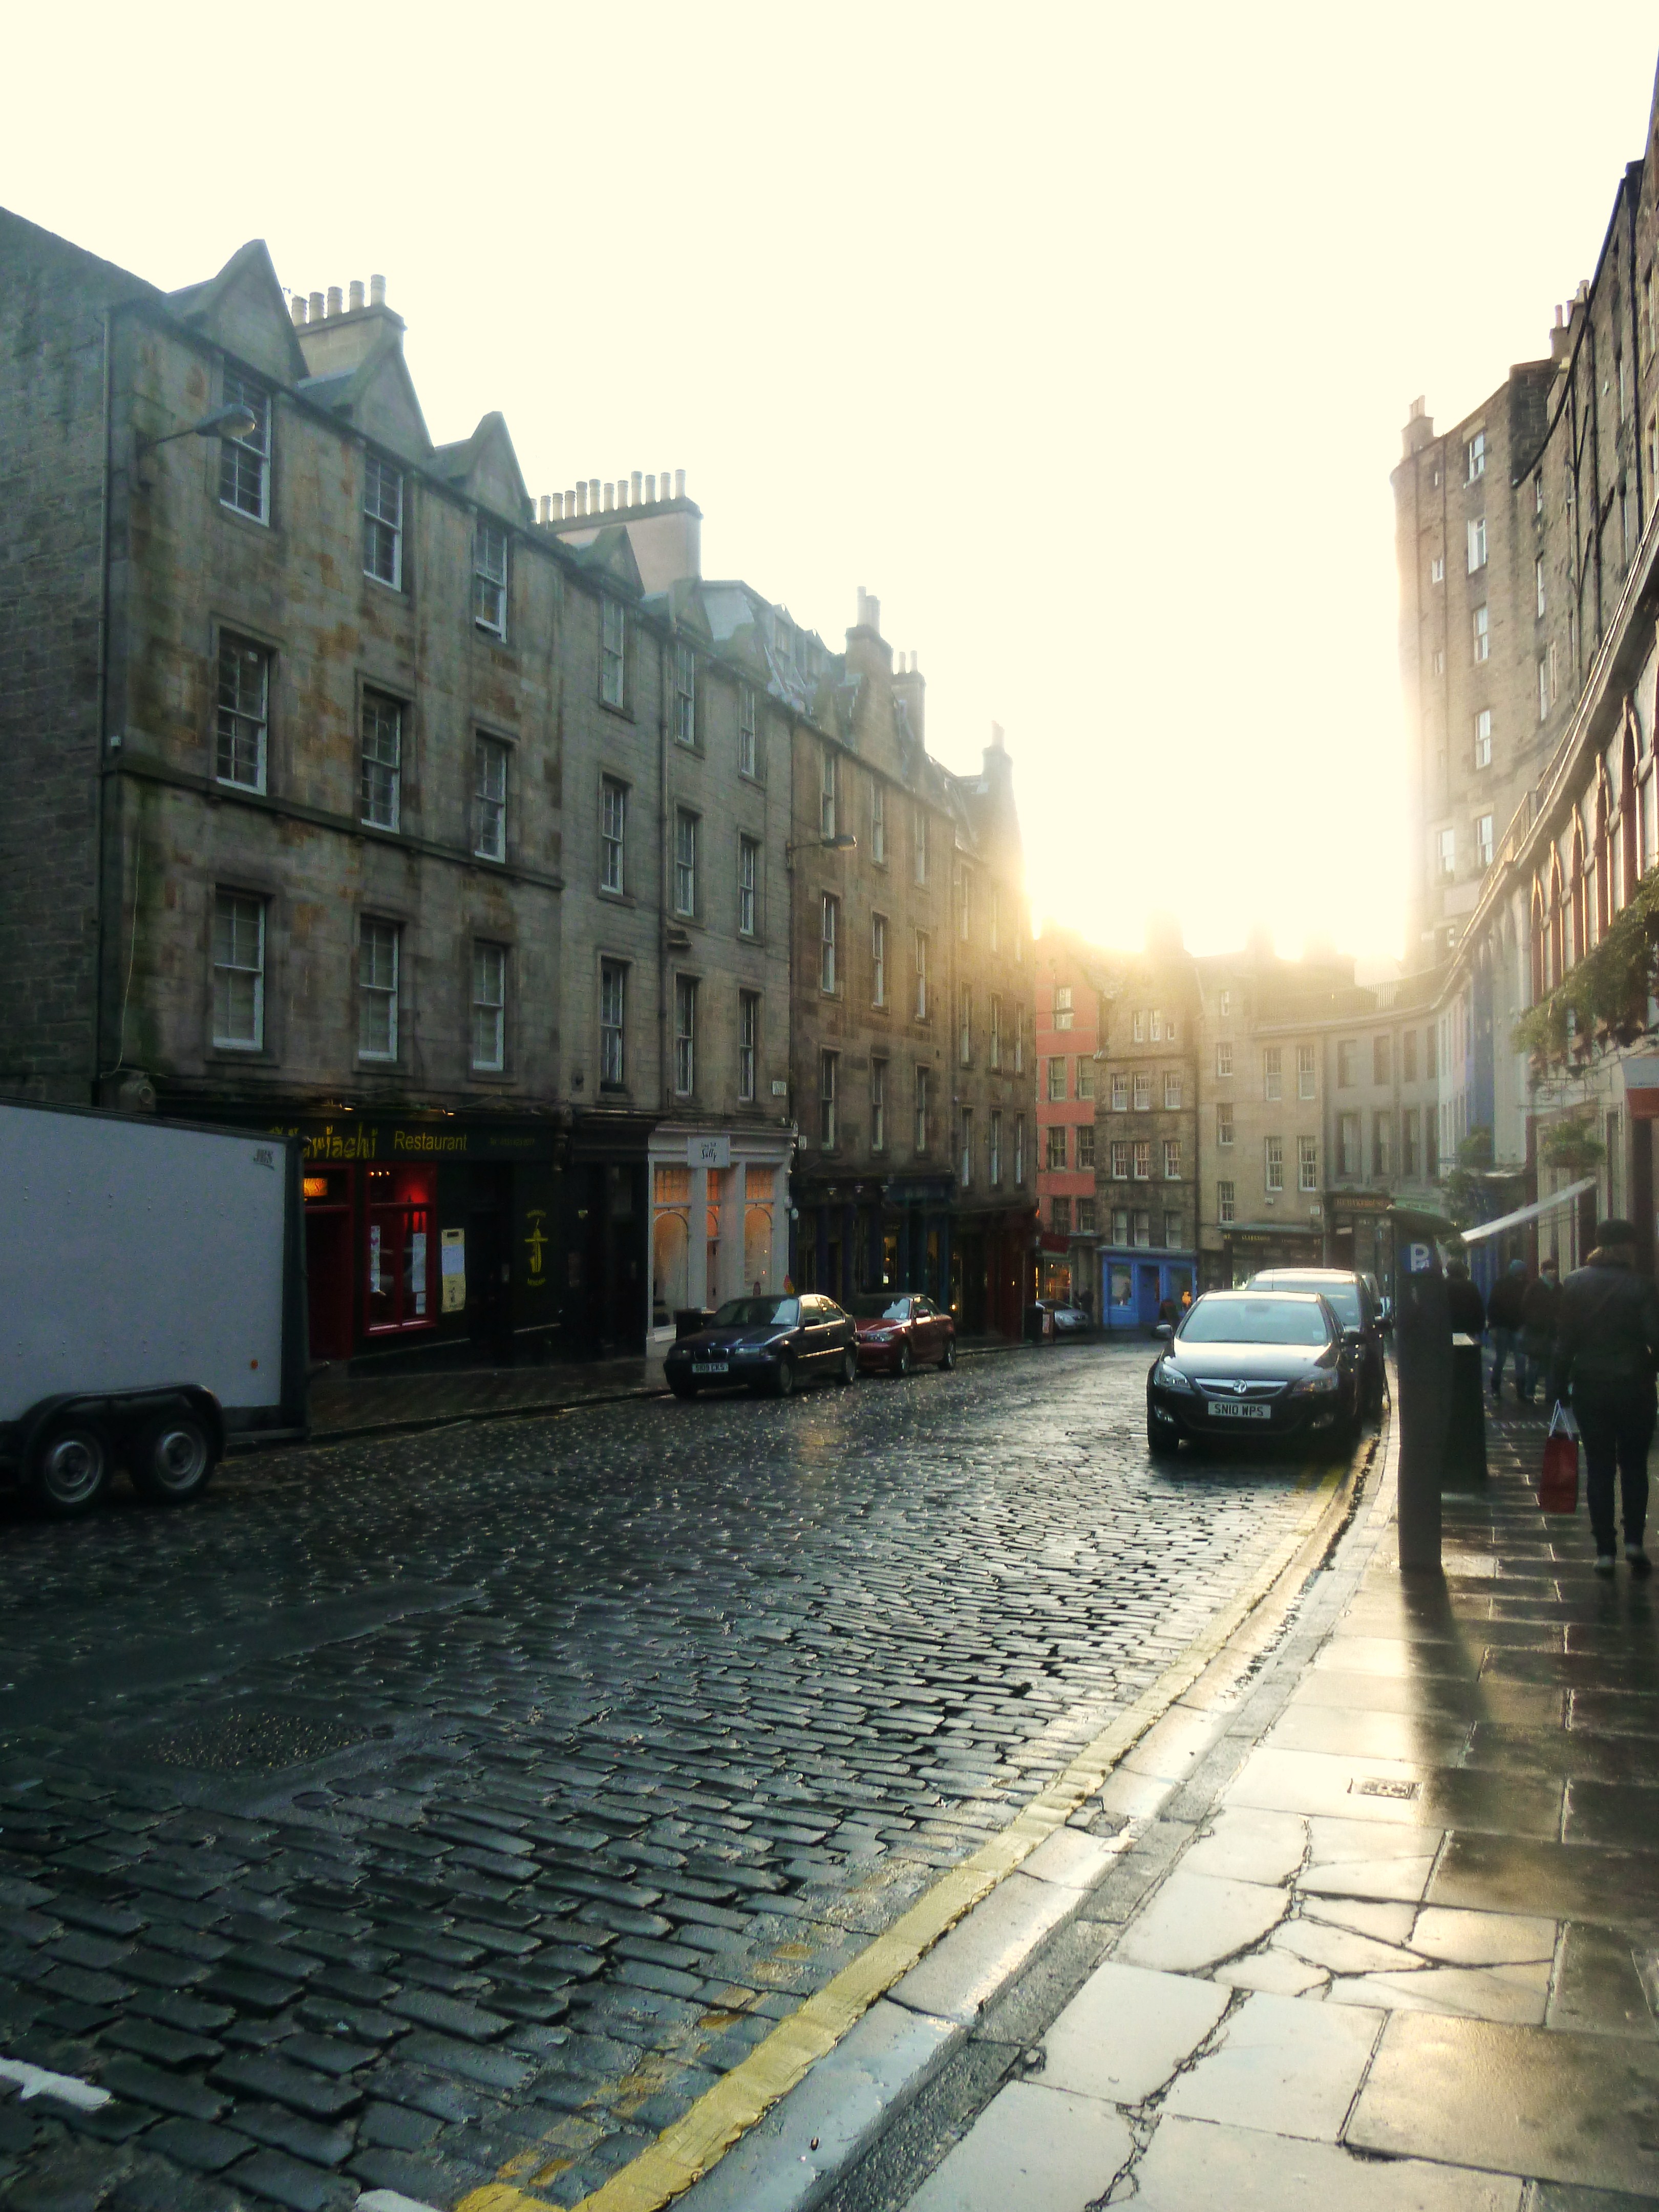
401, 1249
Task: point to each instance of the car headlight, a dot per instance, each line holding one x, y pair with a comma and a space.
1170, 1376
1321, 1380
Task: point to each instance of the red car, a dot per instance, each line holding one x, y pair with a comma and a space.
899, 1330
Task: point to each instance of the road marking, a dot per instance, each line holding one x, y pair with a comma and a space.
67, 2088
687, 2147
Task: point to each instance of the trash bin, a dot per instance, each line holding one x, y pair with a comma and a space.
1464, 1466
1039, 1324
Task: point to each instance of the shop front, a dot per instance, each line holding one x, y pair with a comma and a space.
720, 1209
991, 1270
1250, 1246
431, 1241
1134, 1283
1055, 1268
1360, 1238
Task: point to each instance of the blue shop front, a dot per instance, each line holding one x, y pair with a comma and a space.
1135, 1282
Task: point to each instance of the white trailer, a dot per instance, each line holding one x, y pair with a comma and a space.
155, 1301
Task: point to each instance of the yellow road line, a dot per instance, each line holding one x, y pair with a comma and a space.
685, 2149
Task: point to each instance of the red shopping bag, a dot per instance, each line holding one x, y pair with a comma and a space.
1557, 1482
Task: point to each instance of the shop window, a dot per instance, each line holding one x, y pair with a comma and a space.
670, 1242
401, 1253
1119, 1281
757, 1247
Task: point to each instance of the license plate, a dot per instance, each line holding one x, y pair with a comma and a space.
710, 1367
1233, 1409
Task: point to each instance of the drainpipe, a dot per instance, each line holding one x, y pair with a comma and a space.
1635, 366
101, 714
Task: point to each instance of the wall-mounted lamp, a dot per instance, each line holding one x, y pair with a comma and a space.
843, 842
238, 421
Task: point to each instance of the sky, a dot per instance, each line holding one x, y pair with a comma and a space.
1082, 337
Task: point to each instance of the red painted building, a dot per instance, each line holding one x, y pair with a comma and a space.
1067, 1036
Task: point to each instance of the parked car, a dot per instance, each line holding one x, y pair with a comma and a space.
1358, 1309
1272, 1364
1068, 1320
900, 1329
768, 1343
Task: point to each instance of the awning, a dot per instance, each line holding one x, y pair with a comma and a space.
1485, 1229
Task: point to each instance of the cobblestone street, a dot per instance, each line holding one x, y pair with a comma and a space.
413, 1810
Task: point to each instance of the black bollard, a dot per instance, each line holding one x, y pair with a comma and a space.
1422, 1350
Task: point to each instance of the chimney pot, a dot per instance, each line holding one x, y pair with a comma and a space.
679, 484
873, 607
570, 503
610, 497
376, 291
1417, 406
296, 307
651, 491
1557, 314
545, 512
355, 297
316, 307
336, 300
639, 489
581, 498
592, 496
665, 491
558, 506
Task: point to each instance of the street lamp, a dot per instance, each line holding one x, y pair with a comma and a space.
237, 422
843, 842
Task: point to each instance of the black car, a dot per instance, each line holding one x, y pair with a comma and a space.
1249, 1363
1354, 1300
768, 1343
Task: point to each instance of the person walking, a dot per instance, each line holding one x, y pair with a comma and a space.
1538, 1316
1606, 1351
1465, 1308
1504, 1311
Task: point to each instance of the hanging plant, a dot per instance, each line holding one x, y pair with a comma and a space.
1572, 1146
1604, 996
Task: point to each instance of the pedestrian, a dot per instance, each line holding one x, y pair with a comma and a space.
1464, 1305
1538, 1316
1504, 1311
1607, 1351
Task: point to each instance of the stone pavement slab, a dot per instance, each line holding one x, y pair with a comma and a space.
1199, 1919
1540, 2101
1033, 2146
1290, 2065
1126, 2032
1192, 2165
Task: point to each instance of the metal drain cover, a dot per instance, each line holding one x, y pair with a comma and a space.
1379, 1785
245, 1741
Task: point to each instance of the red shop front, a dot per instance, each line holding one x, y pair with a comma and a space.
372, 1231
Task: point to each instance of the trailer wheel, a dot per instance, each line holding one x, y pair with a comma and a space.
172, 1458
71, 1469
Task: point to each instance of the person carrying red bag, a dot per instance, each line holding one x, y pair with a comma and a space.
1606, 1353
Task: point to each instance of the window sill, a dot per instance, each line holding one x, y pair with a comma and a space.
398, 590
623, 713
616, 898
262, 522
242, 1056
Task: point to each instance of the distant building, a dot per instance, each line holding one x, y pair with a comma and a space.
1146, 1133
1068, 977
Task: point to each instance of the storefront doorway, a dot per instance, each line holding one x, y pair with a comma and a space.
400, 1249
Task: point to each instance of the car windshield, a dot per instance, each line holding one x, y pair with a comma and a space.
879, 1305
758, 1313
1254, 1320
1343, 1297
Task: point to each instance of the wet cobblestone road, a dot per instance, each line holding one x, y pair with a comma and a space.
413, 1809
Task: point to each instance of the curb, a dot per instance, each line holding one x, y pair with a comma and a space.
425, 1425
780, 2130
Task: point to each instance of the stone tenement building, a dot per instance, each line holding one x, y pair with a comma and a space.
1146, 1131
1539, 1037
343, 791
1516, 533
1069, 977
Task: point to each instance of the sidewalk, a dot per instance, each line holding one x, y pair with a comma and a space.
346, 1406
1408, 1954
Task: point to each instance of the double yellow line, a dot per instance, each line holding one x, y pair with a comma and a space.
685, 2150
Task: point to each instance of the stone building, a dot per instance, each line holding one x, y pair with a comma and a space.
1541, 1039
365, 803
1069, 975
1147, 1132
911, 998
454, 833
